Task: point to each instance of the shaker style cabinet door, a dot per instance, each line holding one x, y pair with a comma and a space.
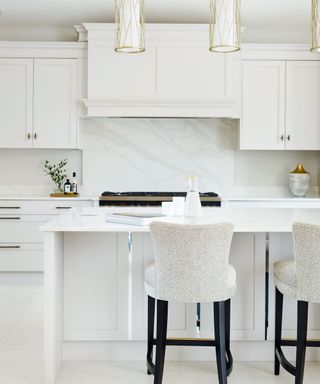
55, 103
303, 105
16, 79
263, 102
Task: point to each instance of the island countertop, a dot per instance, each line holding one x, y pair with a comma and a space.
244, 219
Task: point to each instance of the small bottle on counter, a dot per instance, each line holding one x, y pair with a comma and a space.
67, 187
74, 186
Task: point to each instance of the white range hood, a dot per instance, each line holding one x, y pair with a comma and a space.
176, 76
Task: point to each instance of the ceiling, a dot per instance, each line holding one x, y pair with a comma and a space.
265, 20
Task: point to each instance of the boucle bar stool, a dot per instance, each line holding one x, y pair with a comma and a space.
191, 266
300, 279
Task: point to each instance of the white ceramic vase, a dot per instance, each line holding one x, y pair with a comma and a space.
299, 181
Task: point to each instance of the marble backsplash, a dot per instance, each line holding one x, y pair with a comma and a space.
158, 154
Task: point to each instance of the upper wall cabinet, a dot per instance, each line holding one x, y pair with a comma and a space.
38, 101
175, 76
16, 91
280, 102
55, 103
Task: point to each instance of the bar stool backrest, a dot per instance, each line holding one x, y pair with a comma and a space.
192, 261
307, 256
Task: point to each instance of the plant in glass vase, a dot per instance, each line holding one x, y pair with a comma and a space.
57, 172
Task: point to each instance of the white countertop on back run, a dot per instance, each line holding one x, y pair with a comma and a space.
245, 220
46, 197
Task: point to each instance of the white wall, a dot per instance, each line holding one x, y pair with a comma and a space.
158, 154
21, 170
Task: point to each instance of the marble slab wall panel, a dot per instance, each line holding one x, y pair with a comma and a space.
158, 154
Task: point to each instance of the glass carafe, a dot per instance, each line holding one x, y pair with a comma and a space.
193, 204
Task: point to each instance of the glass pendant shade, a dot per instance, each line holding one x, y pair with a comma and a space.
129, 26
224, 25
315, 26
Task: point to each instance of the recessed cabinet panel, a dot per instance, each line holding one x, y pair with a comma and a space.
55, 115
113, 75
96, 286
185, 71
16, 79
263, 103
302, 105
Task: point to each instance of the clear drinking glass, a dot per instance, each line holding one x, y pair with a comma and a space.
193, 204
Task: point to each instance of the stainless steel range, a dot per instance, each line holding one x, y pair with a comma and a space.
208, 199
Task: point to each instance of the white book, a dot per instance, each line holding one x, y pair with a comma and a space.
133, 218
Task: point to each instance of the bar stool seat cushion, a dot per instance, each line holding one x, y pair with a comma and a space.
227, 293
285, 277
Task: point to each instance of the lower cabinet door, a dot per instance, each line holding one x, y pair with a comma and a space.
281, 248
247, 256
17, 257
96, 286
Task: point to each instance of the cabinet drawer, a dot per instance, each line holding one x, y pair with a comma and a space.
40, 207
17, 257
21, 229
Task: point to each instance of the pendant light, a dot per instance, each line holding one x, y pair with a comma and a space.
315, 26
129, 26
224, 25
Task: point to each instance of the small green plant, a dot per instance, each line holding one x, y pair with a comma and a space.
57, 172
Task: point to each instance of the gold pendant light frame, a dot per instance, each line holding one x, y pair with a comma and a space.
315, 26
224, 25
129, 17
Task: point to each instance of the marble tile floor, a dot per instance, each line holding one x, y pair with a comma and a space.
21, 360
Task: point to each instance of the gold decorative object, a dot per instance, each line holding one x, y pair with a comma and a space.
315, 26
299, 169
224, 25
129, 26
57, 194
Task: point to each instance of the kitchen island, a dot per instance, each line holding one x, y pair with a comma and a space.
95, 305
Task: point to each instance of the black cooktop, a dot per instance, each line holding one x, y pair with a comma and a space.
152, 198
156, 194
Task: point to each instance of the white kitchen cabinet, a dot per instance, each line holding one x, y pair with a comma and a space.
280, 102
21, 242
96, 286
262, 124
21, 257
302, 105
281, 248
16, 92
247, 255
38, 99
55, 103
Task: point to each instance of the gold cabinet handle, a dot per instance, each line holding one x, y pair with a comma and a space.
29, 136
35, 136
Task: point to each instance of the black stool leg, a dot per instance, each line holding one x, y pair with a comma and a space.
278, 329
301, 340
228, 325
162, 321
227, 321
151, 306
220, 337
